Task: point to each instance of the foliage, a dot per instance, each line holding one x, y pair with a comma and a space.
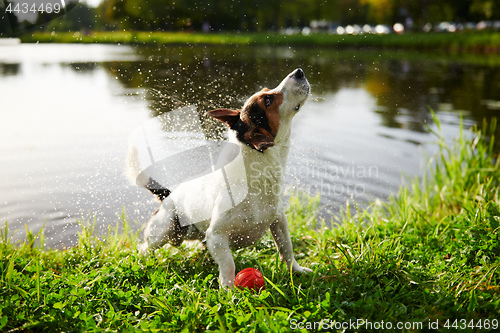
80, 17
7, 20
426, 256
263, 15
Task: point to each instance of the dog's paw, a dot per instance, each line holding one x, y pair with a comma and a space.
226, 284
301, 270
143, 248
306, 270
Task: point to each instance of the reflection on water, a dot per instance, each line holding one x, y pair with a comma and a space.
404, 90
67, 112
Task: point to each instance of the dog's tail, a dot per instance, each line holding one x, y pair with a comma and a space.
133, 170
158, 190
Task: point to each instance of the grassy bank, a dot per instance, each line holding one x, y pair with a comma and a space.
429, 257
466, 42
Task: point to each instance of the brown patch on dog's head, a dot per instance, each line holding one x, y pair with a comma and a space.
257, 124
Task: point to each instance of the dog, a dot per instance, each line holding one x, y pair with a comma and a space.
261, 129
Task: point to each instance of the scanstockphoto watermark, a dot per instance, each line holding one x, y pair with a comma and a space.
336, 180
365, 324
327, 325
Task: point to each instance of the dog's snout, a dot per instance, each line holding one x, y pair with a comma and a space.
298, 73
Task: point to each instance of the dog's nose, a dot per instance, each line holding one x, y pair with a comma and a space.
299, 73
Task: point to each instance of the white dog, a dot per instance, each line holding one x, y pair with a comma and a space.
261, 129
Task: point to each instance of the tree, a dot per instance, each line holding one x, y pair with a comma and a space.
485, 9
380, 11
80, 17
9, 22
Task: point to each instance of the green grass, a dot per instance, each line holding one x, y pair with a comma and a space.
464, 42
428, 255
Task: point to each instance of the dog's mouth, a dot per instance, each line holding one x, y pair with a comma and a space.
306, 95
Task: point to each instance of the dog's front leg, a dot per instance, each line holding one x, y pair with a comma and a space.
218, 246
281, 235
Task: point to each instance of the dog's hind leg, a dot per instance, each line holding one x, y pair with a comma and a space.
163, 227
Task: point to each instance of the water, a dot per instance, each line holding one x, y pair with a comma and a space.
66, 113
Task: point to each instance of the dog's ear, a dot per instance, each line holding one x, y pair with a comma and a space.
227, 116
259, 138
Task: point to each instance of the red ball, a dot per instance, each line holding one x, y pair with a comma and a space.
250, 278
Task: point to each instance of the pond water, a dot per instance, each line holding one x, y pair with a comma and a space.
67, 111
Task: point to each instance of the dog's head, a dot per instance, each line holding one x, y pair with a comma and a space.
268, 112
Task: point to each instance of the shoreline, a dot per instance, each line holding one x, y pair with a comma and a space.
476, 43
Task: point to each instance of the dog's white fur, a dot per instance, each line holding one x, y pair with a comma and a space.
249, 220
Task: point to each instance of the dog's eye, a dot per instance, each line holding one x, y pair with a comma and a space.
268, 100
297, 107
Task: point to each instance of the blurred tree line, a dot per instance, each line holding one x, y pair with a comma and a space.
263, 15
78, 16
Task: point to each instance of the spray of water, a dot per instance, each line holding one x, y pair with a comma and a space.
171, 152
